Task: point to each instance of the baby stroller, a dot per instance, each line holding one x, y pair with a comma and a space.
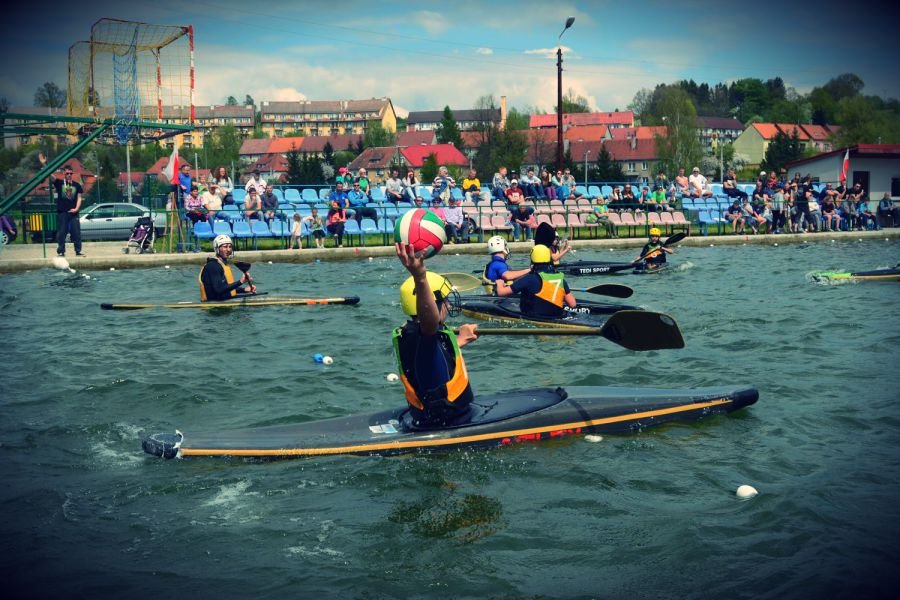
142, 236
8, 230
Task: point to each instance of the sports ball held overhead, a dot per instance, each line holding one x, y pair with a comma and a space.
423, 229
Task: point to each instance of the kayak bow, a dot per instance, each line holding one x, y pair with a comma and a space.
240, 302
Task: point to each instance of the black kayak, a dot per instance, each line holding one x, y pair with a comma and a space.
592, 267
495, 420
876, 275
584, 306
250, 300
493, 308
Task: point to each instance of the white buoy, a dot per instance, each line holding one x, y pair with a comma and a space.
86, 276
112, 268
392, 377
370, 258
776, 244
593, 438
167, 266
745, 492
327, 360
270, 262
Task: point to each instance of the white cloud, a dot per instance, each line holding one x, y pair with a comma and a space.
433, 22
484, 51
548, 52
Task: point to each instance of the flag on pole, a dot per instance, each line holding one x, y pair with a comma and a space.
171, 169
845, 166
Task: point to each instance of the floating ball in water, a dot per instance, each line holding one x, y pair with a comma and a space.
745, 492
327, 360
392, 377
318, 358
593, 438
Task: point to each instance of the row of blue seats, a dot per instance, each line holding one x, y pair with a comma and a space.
278, 228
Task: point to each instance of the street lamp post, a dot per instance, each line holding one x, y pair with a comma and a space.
559, 98
586, 152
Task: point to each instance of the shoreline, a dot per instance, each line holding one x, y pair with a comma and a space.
17, 258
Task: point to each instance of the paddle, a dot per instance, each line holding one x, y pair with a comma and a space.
637, 330
672, 239
463, 282
245, 269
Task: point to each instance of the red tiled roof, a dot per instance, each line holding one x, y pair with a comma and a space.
586, 133
316, 143
472, 139
790, 128
254, 146
583, 119
622, 150
275, 163
374, 158
816, 132
415, 138
284, 145
446, 154
645, 132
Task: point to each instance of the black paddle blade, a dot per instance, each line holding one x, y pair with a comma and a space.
675, 238
642, 330
243, 266
614, 290
545, 234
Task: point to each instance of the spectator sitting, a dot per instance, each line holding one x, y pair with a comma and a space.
514, 195
211, 200
531, 185
409, 186
522, 217
252, 205
316, 226
866, 216
752, 217
658, 197
628, 199
442, 184
547, 185
193, 206
419, 202
471, 185
887, 212
337, 216
500, 184
729, 186
256, 183
615, 201
682, 184
454, 221
560, 190
356, 201
832, 221
269, 203
393, 191
697, 183
735, 216
661, 181
568, 181
339, 195
436, 209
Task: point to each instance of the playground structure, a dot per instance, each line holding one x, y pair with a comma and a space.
118, 82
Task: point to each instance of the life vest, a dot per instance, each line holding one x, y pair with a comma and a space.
552, 288
229, 277
447, 399
654, 254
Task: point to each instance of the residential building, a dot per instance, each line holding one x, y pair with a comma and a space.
415, 138
876, 167
466, 120
611, 120
412, 157
713, 130
644, 132
326, 117
30, 132
752, 144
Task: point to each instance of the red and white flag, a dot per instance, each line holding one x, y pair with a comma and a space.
845, 166
171, 169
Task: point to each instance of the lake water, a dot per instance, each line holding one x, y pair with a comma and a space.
650, 515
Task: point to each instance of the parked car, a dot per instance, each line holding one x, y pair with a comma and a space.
114, 220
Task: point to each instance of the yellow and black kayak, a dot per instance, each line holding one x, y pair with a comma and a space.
876, 275
506, 310
529, 415
250, 300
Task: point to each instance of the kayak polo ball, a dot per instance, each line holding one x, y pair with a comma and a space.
327, 360
593, 438
745, 492
392, 377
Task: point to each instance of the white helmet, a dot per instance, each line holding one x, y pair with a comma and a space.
220, 240
497, 244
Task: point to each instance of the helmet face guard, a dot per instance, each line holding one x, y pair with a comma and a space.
454, 302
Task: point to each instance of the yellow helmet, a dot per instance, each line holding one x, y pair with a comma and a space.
655, 231
540, 254
440, 287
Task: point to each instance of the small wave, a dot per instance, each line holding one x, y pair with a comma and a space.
230, 494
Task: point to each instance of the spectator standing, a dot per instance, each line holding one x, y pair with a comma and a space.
184, 184
471, 185
296, 232
814, 220
362, 178
69, 196
778, 220
255, 182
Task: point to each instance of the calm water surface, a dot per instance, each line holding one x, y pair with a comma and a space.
650, 515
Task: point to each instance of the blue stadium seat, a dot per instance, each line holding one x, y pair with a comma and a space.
457, 194
309, 196
241, 230
260, 228
221, 228
606, 190
323, 193
351, 228
593, 192
377, 194
278, 194
292, 195
239, 194
203, 231
281, 228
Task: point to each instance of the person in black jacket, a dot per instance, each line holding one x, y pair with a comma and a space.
217, 282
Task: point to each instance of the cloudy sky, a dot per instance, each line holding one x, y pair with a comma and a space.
425, 55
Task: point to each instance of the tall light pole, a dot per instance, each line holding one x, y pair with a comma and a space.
559, 98
586, 152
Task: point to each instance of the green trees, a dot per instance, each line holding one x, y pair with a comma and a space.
377, 136
681, 146
50, 95
782, 150
605, 168
447, 131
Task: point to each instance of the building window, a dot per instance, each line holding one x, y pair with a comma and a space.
631, 167
644, 165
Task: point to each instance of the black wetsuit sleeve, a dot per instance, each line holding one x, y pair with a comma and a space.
217, 287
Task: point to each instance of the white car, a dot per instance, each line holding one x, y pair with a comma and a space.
114, 220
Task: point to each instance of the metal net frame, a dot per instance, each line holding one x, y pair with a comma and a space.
139, 75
